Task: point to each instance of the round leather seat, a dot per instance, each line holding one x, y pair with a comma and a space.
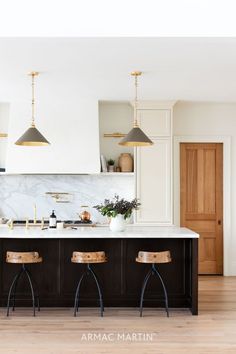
153, 257
23, 257
88, 257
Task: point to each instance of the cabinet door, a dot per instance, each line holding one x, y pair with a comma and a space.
155, 122
154, 183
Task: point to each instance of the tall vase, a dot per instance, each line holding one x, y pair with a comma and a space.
126, 162
118, 223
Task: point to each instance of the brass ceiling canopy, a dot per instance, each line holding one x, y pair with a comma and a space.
32, 136
136, 137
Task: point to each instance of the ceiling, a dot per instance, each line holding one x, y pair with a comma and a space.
194, 69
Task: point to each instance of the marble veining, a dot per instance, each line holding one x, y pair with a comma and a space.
19, 193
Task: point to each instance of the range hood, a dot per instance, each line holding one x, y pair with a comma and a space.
73, 131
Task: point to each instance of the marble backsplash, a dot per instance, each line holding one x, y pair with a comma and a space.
19, 194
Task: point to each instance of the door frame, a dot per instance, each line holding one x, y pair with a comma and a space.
226, 141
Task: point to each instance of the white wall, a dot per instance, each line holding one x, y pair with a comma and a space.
211, 119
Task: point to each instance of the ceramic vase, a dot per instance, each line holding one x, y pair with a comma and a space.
118, 223
126, 162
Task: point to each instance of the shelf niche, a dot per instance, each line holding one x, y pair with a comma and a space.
114, 117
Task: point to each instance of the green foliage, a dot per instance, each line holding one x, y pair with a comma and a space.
116, 206
111, 162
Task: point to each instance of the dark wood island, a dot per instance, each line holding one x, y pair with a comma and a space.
121, 277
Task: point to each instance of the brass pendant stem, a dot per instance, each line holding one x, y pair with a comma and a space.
33, 102
136, 102
33, 74
136, 74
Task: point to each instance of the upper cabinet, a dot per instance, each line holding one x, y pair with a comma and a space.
155, 122
154, 164
70, 127
154, 182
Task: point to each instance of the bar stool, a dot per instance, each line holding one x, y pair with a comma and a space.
88, 258
153, 258
22, 258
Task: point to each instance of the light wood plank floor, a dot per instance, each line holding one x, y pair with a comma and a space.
56, 331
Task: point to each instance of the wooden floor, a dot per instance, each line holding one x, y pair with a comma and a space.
56, 331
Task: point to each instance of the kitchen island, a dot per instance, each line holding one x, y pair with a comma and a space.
121, 277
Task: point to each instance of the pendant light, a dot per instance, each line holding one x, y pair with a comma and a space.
136, 137
32, 137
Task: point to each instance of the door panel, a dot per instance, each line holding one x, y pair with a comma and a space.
202, 201
154, 182
155, 122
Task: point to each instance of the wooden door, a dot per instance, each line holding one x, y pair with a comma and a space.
201, 200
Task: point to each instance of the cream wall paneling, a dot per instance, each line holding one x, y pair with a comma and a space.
155, 122
70, 127
153, 184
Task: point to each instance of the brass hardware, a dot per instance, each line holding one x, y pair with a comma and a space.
10, 225
35, 214
33, 73
58, 196
52, 193
114, 135
136, 73
3, 135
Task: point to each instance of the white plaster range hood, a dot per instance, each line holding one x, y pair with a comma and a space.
72, 129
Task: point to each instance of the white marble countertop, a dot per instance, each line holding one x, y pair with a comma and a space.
132, 231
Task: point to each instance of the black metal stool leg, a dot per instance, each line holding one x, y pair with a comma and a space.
76, 304
99, 289
164, 288
10, 291
143, 290
15, 286
35, 287
31, 288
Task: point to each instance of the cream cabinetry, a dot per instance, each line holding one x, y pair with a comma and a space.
154, 165
155, 122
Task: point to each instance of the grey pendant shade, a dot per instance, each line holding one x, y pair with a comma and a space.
32, 136
136, 137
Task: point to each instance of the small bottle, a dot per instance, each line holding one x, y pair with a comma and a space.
53, 221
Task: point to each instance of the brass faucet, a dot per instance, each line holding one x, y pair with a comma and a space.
10, 224
35, 215
27, 223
